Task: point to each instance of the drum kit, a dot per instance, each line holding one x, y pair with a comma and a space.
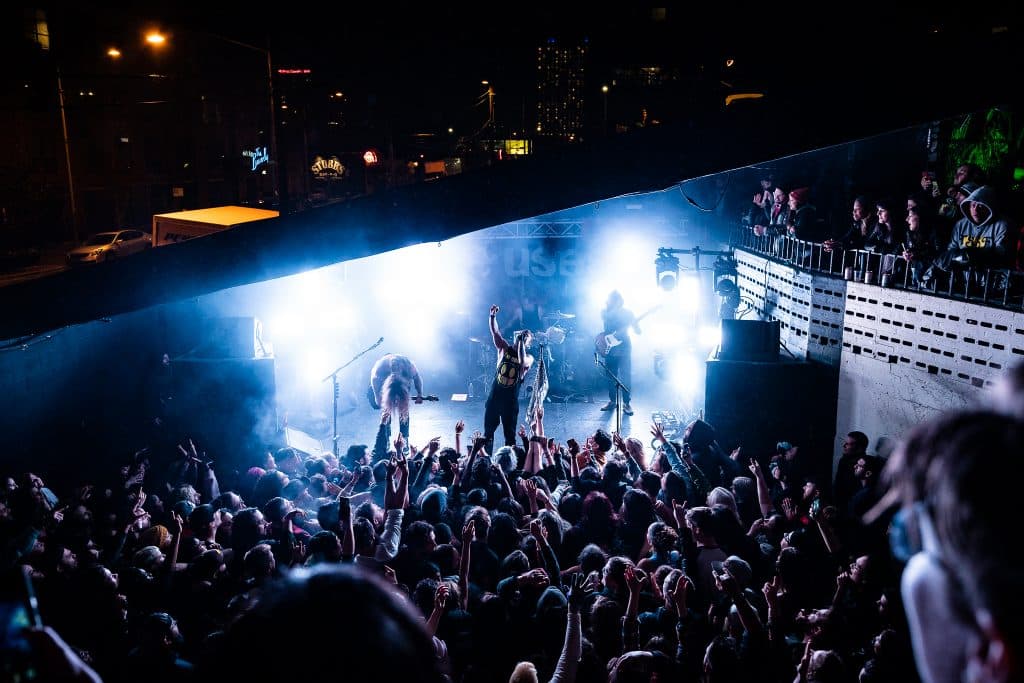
560, 342
559, 328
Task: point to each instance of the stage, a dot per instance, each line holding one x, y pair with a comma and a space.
578, 418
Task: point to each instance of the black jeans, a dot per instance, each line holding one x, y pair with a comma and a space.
620, 363
502, 406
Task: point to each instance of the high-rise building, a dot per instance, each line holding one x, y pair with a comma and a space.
561, 69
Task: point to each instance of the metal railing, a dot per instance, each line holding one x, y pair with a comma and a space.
998, 287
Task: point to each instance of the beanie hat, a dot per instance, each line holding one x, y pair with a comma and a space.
157, 536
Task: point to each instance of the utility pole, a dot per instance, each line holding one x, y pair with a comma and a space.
67, 158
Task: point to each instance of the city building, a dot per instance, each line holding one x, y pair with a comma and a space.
561, 82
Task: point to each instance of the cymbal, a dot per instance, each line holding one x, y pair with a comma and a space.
560, 316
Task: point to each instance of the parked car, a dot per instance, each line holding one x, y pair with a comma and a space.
107, 246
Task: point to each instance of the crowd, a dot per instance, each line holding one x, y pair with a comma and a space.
925, 240
548, 560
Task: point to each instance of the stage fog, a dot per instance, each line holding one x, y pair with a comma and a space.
430, 302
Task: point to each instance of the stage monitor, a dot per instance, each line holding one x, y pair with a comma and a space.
750, 340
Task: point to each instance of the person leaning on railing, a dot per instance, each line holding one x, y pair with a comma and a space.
863, 224
979, 238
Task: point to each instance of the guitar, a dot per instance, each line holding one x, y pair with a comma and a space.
603, 343
375, 406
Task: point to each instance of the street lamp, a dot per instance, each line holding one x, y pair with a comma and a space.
157, 39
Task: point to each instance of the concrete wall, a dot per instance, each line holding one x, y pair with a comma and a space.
902, 356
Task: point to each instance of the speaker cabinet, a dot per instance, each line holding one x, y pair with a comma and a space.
755, 340
232, 337
228, 406
757, 404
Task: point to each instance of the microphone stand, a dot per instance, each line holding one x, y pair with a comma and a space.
619, 388
334, 379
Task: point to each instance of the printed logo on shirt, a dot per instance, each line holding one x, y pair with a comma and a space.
968, 241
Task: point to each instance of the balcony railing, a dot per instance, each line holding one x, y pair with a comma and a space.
998, 287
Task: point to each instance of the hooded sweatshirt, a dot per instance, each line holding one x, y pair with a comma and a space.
989, 234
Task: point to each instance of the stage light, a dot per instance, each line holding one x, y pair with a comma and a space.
730, 294
709, 336
686, 375
682, 370
667, 270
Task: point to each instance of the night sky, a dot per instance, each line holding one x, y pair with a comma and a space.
424, 62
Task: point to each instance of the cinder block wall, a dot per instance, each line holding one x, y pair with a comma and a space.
902, 356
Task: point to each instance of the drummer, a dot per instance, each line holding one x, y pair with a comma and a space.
527, 313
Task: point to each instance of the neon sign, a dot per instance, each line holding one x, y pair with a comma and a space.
258, 156
327, 168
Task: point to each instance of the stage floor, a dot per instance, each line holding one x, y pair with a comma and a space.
578, 419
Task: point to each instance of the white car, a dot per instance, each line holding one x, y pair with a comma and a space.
107, 246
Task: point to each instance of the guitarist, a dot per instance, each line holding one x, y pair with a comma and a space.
503, 401
392, 381
618, 354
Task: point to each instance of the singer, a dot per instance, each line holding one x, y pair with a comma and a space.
392, 381
503, 401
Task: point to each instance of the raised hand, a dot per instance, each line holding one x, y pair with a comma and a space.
433, 445
459, 426
389, 575
537, 578
772, 593
679, 513
468, 532
755, 468
177, 524
635, 579
494, 309
789, 509
522, 432
805, 661
619, 442
441, 596
400, 443
578, 591
679, 592
539, 531
735, 455
530, 486
658, 432
191, 453
135, 479
385, 416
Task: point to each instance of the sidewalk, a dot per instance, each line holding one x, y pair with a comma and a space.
51, 260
